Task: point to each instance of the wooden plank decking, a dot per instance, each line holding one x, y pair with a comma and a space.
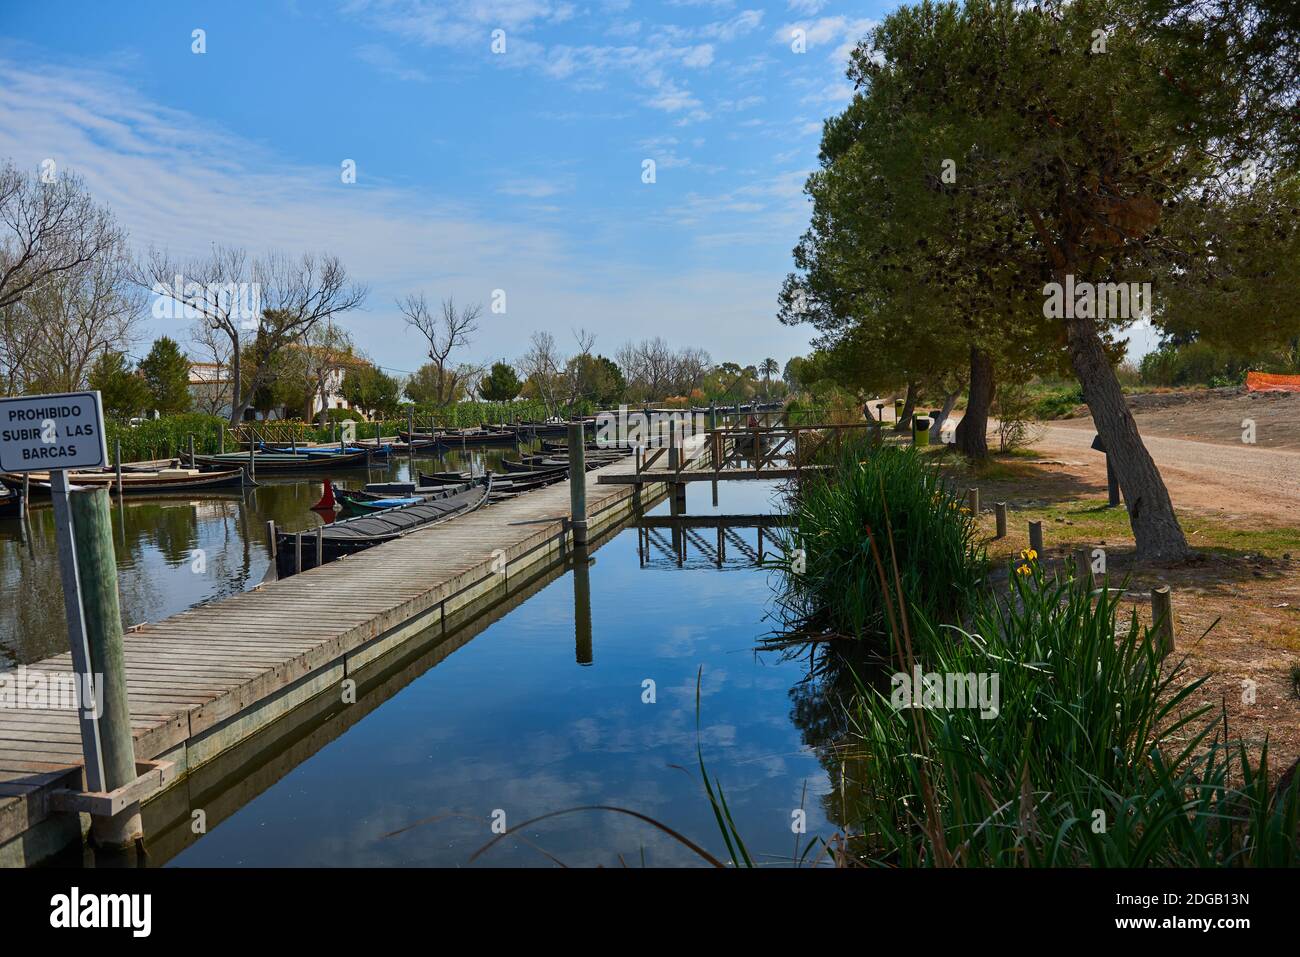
203, 680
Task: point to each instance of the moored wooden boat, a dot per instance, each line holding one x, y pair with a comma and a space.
11, 502
350, 535
284, 462
135, 482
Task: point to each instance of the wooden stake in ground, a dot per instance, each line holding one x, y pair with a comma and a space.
1162, 619
1036, 537
1000, 512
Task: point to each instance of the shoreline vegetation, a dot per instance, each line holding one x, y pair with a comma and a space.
1097, 753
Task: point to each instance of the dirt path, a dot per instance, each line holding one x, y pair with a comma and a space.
1244, 480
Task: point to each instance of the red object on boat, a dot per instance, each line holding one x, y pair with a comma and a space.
326, 503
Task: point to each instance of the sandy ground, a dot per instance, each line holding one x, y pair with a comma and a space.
1237, 607
1237, 481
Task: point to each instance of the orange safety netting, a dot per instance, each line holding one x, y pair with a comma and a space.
1266, 382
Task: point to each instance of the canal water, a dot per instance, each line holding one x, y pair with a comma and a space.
522, 720
176, 551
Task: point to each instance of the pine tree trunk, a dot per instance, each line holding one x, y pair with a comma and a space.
972, 432
909, 403
936, 427
1150, 511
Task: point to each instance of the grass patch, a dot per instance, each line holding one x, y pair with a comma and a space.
834, 584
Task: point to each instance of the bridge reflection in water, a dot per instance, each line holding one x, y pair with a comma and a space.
697, 541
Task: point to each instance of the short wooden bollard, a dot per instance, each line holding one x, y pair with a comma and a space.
271, 539
190, 438
973, 501
1083, 568
1036, 537
1162, 619
320, 545
297, 552
1000, 513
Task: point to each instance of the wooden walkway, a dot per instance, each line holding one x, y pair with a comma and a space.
204, 680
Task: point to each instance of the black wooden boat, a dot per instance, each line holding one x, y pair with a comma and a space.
134, 482
285, 461
428, 479
351, 535
11, 502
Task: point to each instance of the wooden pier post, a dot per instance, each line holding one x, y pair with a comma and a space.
252, 465
1036, 537
973, 502
320, 545
271, 539
1162, 619
674, 449
92, 527
578, 483
117, 465
1000, 513
582, 648
27, 496
190, 439
297, 552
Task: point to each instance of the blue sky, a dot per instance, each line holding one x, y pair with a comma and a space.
476, 171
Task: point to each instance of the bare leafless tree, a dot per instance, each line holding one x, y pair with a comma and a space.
47, 229
542, 365
267, 302
79, 314
446, 330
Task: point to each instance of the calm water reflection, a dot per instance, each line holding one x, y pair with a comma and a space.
159, 572
527, 719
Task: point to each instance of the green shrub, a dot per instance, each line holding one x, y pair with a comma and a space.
1094, 758
933, 538
164, 438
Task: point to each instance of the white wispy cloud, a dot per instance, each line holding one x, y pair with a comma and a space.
177, 181
389, 63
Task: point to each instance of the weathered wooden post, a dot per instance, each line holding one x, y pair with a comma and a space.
1036, 537
320, 546
271, 539
1083, 568
27, 495
674, 450
252, 465
297, 553
92, 526
221, 440
190, 438
1000, 513
973, 501
117, 465
1162, 619
713, 416
578, 483
582, 605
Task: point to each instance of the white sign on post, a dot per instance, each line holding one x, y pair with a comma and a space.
55, 433
48, 432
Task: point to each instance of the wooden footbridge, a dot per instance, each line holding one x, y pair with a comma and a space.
208, 680
741, 452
